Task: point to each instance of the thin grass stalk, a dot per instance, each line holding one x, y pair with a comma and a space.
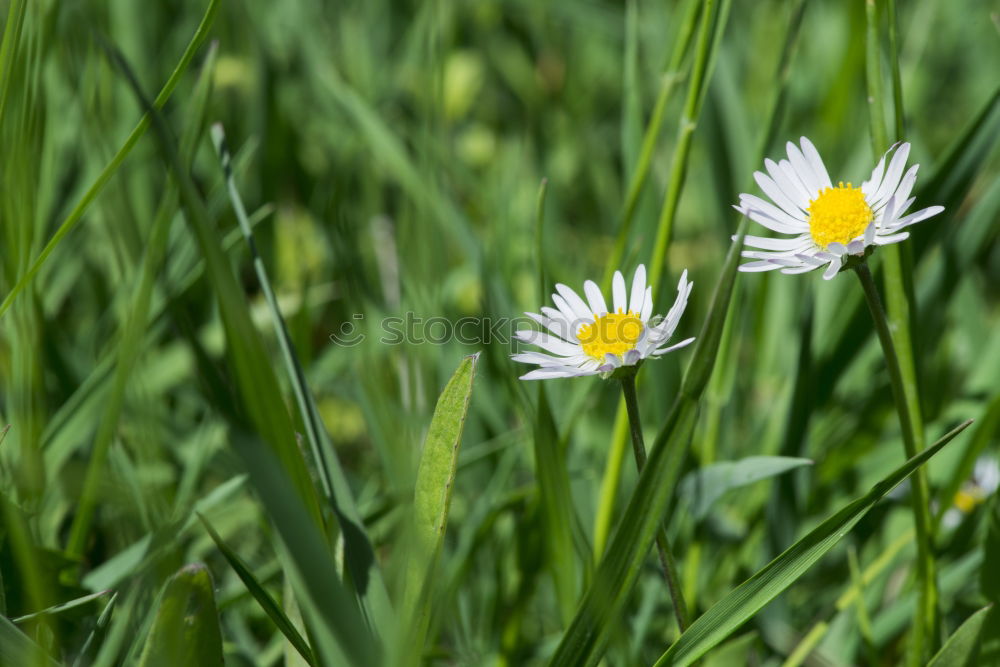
687, 123
667, 561
921, 517
908, 397
112, 167
672, 75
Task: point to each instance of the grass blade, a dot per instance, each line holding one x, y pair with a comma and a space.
703, 487
605, 598
260, 594
432, 499
961, 648
186, 629
747, 599
358, 551
77, 213
16, 648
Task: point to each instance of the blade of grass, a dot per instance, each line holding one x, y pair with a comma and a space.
77, 213
260, 594
277, 468
135, 326
711, 27
186, 630
431, 502
358, 551
748, 598
605, 599
17, 649
925, 629
963, 645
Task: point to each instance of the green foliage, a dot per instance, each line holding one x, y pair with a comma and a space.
186, 628
234, 360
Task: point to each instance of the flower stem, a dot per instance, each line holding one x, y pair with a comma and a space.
920, 495
667, 561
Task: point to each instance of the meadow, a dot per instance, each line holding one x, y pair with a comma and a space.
262, 265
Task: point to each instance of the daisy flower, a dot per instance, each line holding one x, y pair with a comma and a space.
585, 338
826, 224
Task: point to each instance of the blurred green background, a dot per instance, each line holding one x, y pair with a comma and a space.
390, 155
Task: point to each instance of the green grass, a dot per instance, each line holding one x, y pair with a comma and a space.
192, 469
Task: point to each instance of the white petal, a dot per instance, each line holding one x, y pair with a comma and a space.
545, 360
632, 357
638, 289
802, 168
838, 249
892, 175
872, 185
816, 162
595, 298
889, 239
618, 292
776, 194
647, 305
869, 233
578, 305
905, 187
831, 270
888, 219
789, 171
768, 243
795, 192
551, 373
920, 215
560, 327
789, 225
676, 346
753, 267
574, 320
856, 247
548, 342
797, 270
612, 361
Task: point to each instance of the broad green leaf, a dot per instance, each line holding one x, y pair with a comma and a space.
186, 629
260, 594
962, 647
703, 487
16, 648
432, 499
747, 599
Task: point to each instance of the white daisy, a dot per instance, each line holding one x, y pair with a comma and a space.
827, 224
585, 338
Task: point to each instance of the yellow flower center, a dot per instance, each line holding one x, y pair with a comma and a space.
838, 215
614, 333
966, 501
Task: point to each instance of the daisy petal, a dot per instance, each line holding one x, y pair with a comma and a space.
802, 168
816, 162
920, 215
560, 327
618, 292
776, 194
596, 299
795, 193
632, 357
580, 308
892, 175
768, 243
889, 239
754, 267
676, 346
638, 289
548, 342
550, 373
